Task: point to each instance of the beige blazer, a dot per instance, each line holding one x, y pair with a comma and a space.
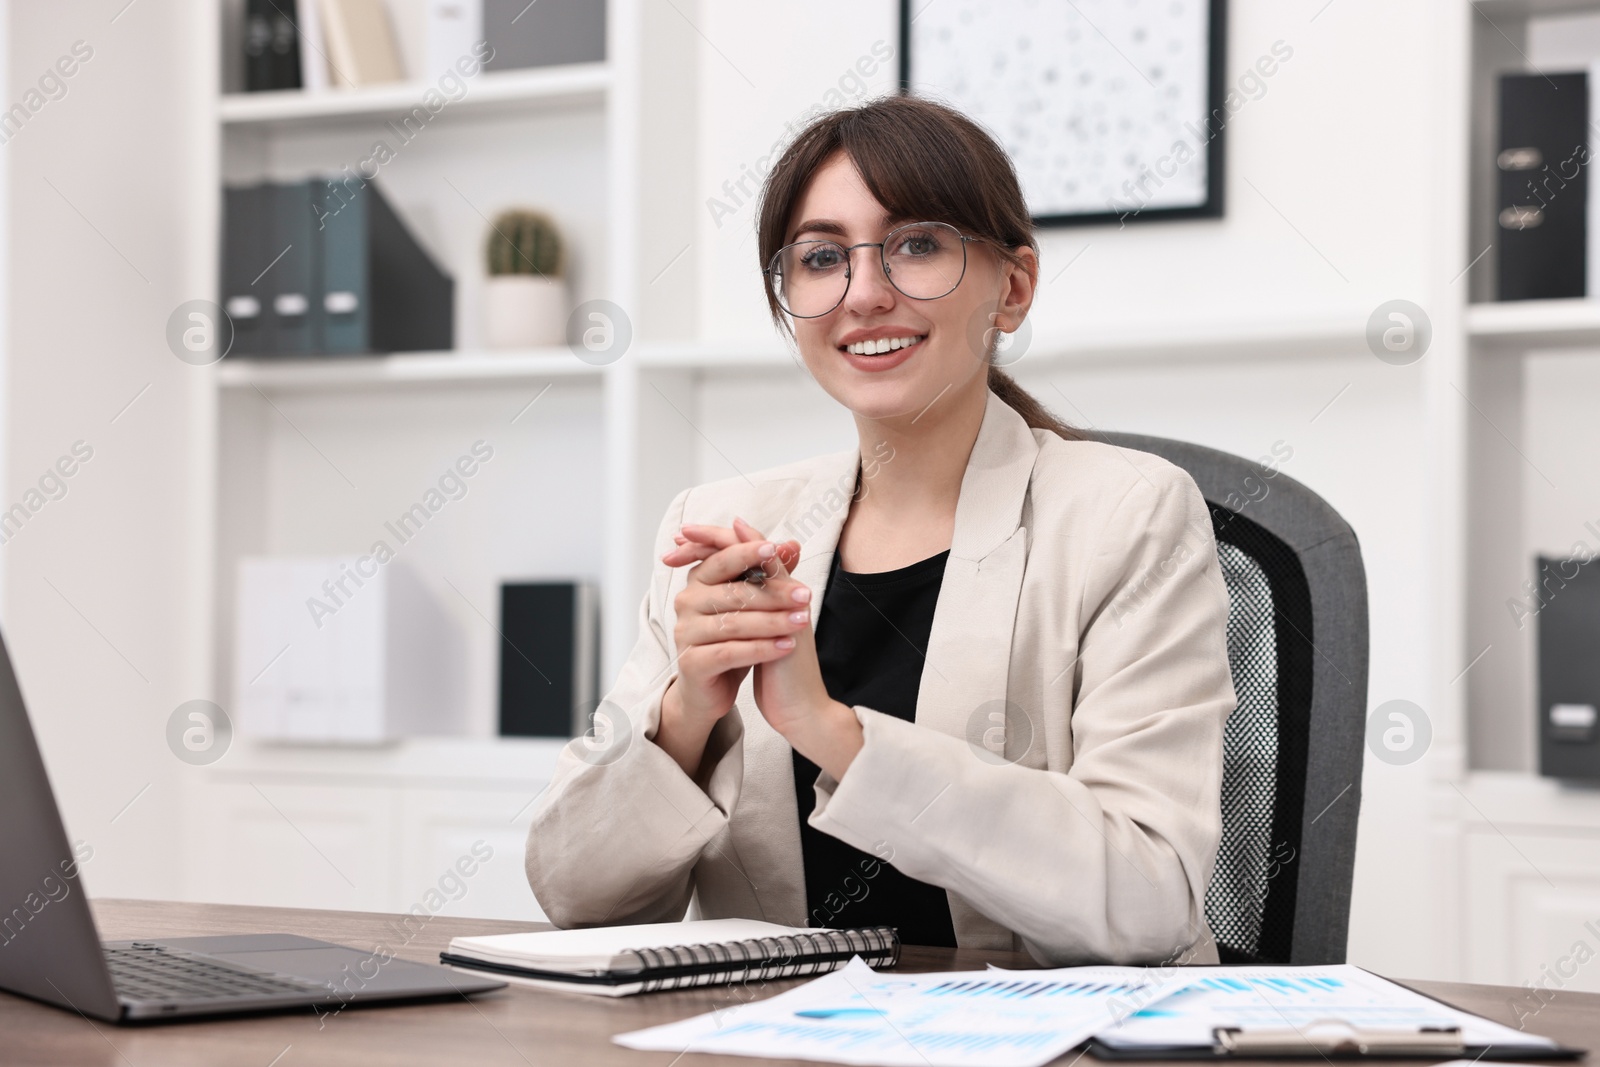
1081, 624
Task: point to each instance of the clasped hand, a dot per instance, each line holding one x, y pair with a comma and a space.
727, 626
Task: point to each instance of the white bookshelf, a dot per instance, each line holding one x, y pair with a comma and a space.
1528, 324
312, 453
1519, 855
1500, 336
558, 138
412, 368
581, 85
1521, 10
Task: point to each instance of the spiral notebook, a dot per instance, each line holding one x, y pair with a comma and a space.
618, 960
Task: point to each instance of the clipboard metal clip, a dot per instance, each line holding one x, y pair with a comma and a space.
1337, 1037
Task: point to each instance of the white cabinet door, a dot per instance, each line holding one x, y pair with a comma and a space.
461, 852
293, 845
1532, 910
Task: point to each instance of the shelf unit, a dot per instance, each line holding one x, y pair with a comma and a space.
562, 138
581, 86
1521, 10
421, 368
1499, 337
1530, 324
313, 454
1519, 855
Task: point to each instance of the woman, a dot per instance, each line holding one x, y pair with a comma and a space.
980, 693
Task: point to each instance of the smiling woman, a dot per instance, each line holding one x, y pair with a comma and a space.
910, 158
936, 686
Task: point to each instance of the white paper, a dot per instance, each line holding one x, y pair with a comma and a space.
952, 1019
1278, 997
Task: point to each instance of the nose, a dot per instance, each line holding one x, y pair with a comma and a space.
870, 288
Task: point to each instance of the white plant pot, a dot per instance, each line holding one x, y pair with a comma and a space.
524, 311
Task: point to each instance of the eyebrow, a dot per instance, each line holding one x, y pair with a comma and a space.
837, 228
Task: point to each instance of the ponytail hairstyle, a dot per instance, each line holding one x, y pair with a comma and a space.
922, 160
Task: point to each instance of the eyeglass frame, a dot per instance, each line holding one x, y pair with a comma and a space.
849, 264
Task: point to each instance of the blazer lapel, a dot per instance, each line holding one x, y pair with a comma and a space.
964, 679
969, 647
968, 654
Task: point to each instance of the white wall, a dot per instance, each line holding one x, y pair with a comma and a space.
102, 606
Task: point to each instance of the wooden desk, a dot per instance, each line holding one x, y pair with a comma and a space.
516, 1027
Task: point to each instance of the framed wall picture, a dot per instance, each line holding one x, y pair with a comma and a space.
1112, 110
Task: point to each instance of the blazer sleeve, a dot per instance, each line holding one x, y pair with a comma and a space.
1109, 860
615, 837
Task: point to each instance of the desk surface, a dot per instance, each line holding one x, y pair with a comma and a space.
514, 1026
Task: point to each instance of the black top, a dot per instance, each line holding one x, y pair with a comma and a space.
872, 636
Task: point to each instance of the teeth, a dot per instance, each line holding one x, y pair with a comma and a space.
886, 344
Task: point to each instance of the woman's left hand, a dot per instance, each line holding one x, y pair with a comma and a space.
789, 691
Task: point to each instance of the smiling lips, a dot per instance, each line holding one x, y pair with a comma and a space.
878, 346
882, 353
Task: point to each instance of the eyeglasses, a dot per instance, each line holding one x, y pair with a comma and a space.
923, 260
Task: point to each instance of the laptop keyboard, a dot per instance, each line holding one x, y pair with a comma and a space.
143, 973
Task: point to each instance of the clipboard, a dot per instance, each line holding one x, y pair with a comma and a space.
1332, 1039
1336, 1039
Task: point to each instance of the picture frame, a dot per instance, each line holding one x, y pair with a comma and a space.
1092, 158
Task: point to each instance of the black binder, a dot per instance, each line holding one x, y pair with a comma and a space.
285, 44
246, 214
1569, 669
328, 267
1543, 202
293, 282
549, 662
381, 291
271, 45
258, 70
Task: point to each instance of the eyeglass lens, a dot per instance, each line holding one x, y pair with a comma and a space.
924, 261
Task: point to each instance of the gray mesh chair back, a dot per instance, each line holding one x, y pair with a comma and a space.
1297, 645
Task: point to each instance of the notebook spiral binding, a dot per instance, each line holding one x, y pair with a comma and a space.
760, 959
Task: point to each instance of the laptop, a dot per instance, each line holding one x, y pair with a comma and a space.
51, 951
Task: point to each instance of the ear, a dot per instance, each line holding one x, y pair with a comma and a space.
1018, 285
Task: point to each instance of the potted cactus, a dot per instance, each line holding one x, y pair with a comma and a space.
525, 297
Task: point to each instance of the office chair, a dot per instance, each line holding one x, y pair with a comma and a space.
1292, 751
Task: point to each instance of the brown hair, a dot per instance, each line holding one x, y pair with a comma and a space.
921, 160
